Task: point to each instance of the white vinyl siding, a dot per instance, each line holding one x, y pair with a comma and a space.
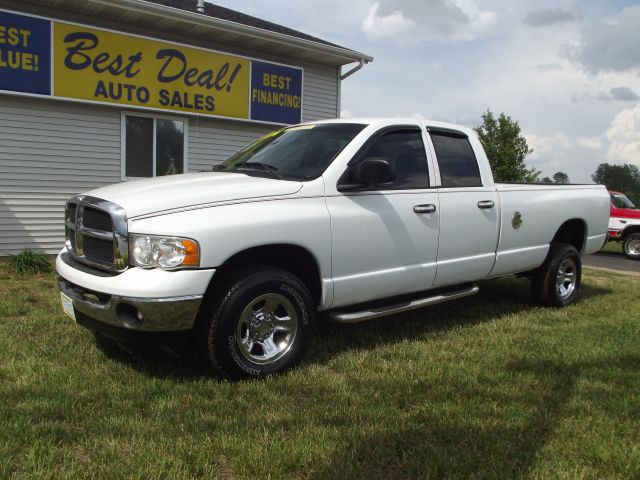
319, 93
212, 141
49, 151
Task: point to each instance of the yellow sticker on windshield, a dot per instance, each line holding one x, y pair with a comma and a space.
300, 127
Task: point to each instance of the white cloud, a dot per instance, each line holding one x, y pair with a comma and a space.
410, 21
391, 25
346, 114
624, 137
576, 156
580, 156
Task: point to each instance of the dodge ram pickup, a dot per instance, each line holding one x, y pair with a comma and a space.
340, 220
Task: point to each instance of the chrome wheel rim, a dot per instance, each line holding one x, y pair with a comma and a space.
633, 247
267, 328
566, 278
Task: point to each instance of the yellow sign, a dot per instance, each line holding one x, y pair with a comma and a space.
101, 66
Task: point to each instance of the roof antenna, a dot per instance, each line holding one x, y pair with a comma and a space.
200, 7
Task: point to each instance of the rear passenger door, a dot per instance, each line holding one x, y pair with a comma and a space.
469, 211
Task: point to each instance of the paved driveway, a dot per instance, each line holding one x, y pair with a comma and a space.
612, 261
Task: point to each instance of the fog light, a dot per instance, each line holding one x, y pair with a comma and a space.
129, 316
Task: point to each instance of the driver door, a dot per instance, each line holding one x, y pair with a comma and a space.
385, 240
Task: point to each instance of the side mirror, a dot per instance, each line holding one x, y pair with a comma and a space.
374, 171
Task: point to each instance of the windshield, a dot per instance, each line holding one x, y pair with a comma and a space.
621, 201
301, 153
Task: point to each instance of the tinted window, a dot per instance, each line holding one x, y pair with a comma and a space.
457, 162
301, 152
169, 147
405, 151
139, 147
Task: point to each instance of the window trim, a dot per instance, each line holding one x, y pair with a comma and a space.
155, 117
358, 156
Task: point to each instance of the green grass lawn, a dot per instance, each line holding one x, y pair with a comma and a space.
487, 387
613, 247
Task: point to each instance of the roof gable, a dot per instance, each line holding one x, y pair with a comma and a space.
227, 14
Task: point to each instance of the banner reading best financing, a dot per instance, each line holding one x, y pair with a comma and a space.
103, 66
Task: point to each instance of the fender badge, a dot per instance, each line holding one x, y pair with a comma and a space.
516, 221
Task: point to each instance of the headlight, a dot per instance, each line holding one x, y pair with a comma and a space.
165, 252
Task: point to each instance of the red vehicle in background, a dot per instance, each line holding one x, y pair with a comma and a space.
624, 224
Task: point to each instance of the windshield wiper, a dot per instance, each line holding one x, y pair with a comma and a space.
264, 167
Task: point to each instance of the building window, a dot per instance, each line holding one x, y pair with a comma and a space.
153, 146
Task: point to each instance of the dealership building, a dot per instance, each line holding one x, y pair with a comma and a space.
95, 92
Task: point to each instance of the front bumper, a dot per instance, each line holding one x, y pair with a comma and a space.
137, 300
141, 314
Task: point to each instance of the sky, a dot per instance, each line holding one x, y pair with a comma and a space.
568, 71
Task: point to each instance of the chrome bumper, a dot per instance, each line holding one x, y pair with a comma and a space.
134, 314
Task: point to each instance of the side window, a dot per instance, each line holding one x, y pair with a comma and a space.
457, 162
405, 151
152, 146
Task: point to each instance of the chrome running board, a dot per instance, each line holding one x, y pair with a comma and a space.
376, 312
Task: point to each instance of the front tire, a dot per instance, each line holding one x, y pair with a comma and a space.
631, 246
557, 282
259, 323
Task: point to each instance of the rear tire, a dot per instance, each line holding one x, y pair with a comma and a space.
259, 322
631, 246
557, 282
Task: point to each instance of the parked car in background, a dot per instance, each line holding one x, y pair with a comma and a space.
624, 224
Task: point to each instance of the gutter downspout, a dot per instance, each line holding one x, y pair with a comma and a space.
200, 6
354, 69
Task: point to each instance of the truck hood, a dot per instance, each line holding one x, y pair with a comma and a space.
154, 195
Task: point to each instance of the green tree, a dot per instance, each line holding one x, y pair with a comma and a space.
546, 180
560, 177
623, 178
506, 148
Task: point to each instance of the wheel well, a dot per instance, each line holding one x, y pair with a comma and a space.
572, 232
628, 231
297, 260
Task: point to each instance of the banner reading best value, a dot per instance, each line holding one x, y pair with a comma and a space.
110, 67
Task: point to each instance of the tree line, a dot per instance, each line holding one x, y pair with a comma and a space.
507, 149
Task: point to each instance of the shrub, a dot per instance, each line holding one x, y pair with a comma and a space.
28, 262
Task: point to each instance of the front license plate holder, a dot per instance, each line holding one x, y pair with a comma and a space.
67, 306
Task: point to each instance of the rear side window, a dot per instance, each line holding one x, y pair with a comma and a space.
457, 162
405, 151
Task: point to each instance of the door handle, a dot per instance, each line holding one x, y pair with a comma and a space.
486, 204
428, 208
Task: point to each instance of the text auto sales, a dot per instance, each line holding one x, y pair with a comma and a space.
173, 69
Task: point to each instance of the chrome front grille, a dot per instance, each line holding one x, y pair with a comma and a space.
96, 233
97, 220
98, 251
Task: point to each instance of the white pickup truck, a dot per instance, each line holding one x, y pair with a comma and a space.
355, 219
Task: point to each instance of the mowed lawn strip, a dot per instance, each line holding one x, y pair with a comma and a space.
487, 387
613, 247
